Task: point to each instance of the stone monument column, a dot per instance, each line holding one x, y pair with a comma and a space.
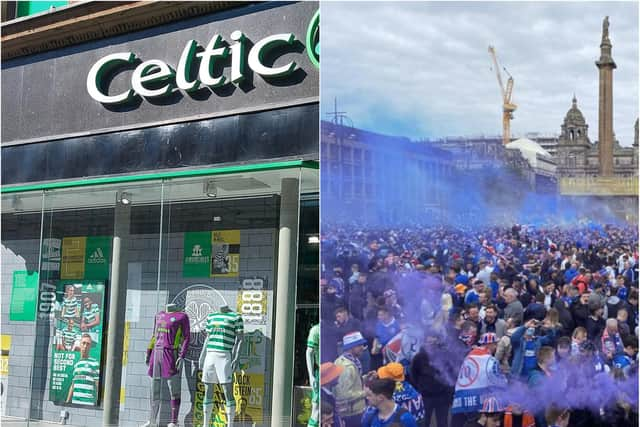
606, 65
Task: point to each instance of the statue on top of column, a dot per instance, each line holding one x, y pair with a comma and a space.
605, 28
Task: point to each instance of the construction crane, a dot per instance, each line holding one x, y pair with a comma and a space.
507, 106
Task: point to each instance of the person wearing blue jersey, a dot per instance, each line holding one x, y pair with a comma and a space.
405, 394
627, 359
387, 327
383, 410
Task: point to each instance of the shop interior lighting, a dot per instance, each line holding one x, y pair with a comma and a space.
210, 189
313, 240
124, 198
217, 218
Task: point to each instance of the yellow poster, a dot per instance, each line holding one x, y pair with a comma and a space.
225, 253
73, 253
248, 391
252, 305
5, 345
125, 359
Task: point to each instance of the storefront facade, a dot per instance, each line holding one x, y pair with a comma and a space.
177, 164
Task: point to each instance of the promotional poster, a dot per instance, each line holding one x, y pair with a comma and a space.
77, 345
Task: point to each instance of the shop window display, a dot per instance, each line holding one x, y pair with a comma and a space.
184, 259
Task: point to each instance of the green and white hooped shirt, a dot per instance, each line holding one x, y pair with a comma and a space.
313, 341
69, 337
222, 329
71, 307
89, 315
85, 382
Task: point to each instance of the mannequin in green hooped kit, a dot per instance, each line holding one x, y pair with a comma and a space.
219, 359
313, 363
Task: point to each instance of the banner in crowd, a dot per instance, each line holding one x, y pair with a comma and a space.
77, 344
248, 392
211, 254
85, 257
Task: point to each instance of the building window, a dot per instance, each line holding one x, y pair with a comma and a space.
346, 154
333, 152
357, 155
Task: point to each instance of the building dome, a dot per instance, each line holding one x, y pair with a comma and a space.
575, 128
574, 116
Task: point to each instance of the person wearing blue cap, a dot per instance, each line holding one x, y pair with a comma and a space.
349, 391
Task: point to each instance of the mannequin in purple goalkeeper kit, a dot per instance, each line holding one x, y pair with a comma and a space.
165, 356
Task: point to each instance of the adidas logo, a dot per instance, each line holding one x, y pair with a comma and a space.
196, 251
97, 257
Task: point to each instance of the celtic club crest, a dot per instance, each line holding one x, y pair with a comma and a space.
198, 301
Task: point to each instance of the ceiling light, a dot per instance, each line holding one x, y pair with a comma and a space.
124, 198
210, 188
313, 240
217, 218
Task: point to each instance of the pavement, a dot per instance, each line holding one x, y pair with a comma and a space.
21, 422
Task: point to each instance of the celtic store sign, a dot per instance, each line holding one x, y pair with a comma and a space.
198, 66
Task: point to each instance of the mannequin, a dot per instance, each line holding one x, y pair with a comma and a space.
165, 357
219, 358
313, 361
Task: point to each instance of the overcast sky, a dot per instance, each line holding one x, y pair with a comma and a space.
422, 69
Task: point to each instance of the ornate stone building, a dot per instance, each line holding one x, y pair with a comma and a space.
603, 172
577, 156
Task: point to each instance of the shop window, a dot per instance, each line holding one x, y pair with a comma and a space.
307, 290
197, 243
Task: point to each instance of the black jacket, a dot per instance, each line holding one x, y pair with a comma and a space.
580, 313
594, 328
429, 380
566, 319
357, 300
